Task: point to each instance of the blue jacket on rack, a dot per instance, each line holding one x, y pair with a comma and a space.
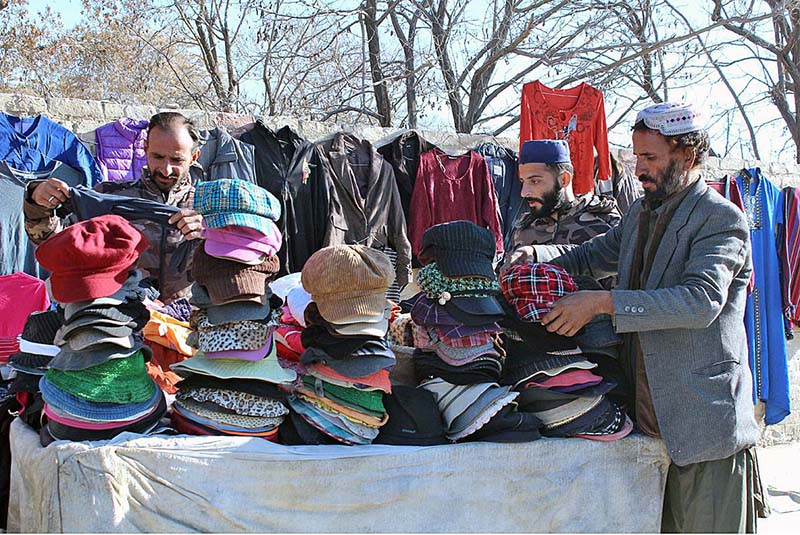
763, 204
31, 144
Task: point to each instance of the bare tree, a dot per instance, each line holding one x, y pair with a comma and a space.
783, 48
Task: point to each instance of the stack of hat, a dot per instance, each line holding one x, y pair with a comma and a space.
97, 385
236, 317
459, 358
346, 352
456, 312
555, 378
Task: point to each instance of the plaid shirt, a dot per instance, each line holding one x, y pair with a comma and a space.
530, 287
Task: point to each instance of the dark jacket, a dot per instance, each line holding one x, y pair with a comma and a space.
503, 167
222, 156
289, 167
402, 153
41, 223
373, 218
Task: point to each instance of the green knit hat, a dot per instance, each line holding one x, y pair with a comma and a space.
369, 402
118, 381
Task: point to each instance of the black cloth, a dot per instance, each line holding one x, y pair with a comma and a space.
533, 333
289, 167
485, 369
414, 418
257, 388
402, 153
583, 423
338, 347
504, 169
508, 425
295, 431
8, 405
87, 203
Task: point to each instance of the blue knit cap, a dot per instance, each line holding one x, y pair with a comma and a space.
544, 151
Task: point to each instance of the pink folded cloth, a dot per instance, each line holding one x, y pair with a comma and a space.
254, 354
568, 378
242, 244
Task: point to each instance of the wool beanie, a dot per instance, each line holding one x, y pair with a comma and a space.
90, 259
348, 281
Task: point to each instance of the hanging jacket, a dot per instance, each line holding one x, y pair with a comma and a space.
222, 156
41, 223
31, 144
504, 169
289, 167
120, 149
365, 202
763, 317
16, 250
402, 153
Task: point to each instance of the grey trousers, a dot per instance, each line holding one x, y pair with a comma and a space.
722, 496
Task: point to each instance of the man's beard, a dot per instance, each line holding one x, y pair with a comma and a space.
174, 180
667, 182
549, 202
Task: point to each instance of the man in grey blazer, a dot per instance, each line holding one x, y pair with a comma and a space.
682, 255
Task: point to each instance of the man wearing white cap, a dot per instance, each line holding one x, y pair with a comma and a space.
682, 256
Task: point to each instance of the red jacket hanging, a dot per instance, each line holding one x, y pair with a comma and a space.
577, 115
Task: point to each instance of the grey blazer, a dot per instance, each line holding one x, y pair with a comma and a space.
690, 320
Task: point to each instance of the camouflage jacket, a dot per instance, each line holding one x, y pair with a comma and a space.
578, 221
41, 223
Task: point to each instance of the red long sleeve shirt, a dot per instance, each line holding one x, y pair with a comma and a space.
452, 188
578, 115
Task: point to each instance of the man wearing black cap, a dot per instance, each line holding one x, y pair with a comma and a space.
682, 255
555, 215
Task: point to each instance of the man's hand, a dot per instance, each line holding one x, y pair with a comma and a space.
189, 222
50, 193
575, 310
519, 255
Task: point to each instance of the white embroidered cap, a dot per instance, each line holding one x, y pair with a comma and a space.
671, 119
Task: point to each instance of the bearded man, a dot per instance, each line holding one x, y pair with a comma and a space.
555, 215
682, 256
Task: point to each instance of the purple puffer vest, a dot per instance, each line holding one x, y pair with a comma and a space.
120, 149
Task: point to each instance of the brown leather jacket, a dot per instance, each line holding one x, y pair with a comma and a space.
41, 223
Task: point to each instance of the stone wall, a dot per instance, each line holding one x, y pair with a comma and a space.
86, 115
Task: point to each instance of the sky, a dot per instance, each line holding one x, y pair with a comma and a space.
713, 97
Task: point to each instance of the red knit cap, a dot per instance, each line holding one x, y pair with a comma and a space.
90, 259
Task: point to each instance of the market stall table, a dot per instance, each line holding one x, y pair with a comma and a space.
230, 484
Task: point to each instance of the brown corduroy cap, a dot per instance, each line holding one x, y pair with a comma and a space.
225, 280
348, 281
